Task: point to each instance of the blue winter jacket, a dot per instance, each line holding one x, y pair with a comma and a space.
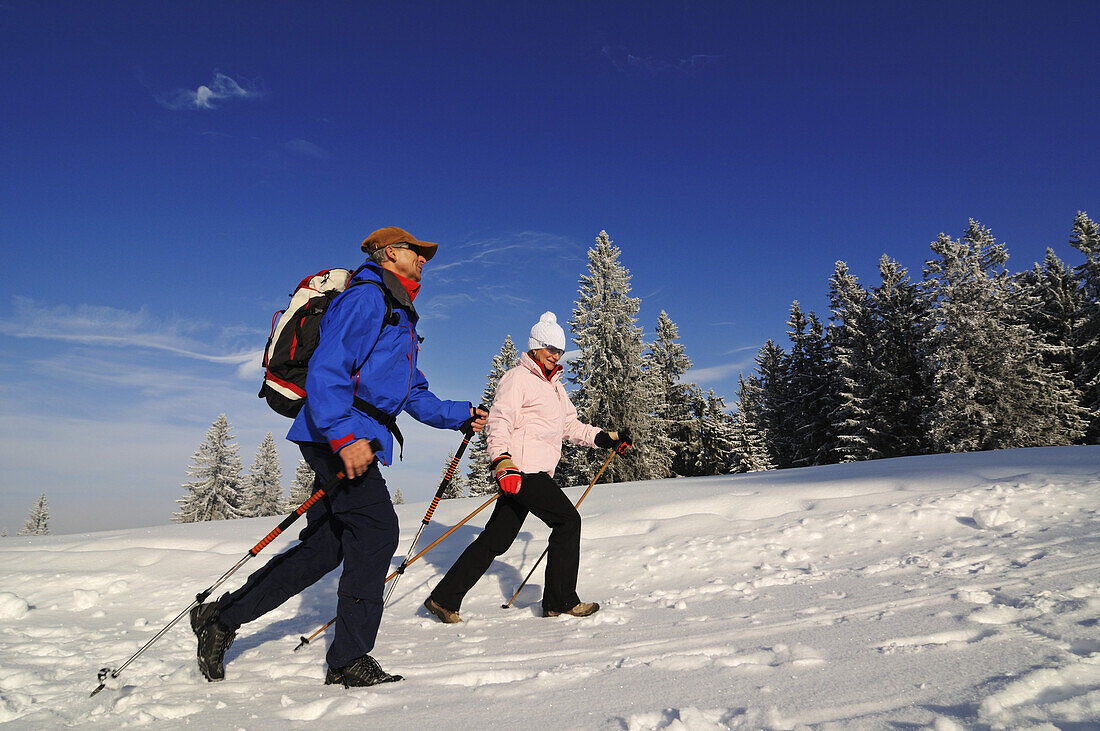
358, 356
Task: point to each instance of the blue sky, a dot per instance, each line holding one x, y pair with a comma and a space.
171, 170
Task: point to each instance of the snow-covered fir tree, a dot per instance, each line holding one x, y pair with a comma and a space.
898, 386
750, 441
775, 417
301, 488
809, 395
38, 519
990, 386
690, 442
264, 489
850, 337
215, 491
398, 498
479, 475
1059, 303
610, 383
665, 364
717, 429
458, 486
1086, 239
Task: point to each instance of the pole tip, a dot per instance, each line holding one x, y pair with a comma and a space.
96, 690
505, 606
303, 643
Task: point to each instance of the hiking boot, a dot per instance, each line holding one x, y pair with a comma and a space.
214, 639
360, 673
445, 615
583, 609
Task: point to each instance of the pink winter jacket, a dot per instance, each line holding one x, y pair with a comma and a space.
531, 416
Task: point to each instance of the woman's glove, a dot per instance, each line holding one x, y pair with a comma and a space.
620, 441
506, 474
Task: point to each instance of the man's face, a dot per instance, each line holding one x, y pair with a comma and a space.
408, 262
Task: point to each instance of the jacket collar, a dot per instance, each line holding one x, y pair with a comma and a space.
392, 282
535, 367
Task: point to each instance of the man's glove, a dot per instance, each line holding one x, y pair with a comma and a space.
620, 441
506, 474
476, 422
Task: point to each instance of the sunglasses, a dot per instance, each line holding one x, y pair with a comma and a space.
554, 351
410, 247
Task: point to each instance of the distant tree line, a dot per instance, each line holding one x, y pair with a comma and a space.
969, 358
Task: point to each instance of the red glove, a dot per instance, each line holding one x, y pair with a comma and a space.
506, 474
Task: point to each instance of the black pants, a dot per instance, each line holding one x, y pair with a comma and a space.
540, 495
355, 524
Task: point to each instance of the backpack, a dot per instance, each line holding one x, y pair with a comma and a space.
295, 333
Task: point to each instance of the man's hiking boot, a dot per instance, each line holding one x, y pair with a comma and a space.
214, 639
445, 615
583, 609
360, 673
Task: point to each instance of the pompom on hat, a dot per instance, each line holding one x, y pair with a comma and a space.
546, 333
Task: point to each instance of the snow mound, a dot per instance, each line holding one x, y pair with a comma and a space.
84, 599
997, 519
13, 606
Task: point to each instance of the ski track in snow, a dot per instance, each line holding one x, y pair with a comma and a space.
947, 592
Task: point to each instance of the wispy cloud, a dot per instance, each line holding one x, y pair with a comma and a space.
443, 306
208, 96
305, 148
99, 325
448, 306
721, 373
715, 374
624, 60
507, 248
743, 348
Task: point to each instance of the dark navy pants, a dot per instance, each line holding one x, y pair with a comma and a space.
354, 523
539, 494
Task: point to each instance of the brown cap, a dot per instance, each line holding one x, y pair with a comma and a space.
391, 235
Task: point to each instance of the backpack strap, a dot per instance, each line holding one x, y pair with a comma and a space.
385, 419
390, 318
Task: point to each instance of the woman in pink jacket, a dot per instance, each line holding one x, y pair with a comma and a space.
530, 417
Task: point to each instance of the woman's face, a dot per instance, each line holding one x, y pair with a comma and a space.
547, 357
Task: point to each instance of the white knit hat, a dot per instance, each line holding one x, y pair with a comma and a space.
546, 333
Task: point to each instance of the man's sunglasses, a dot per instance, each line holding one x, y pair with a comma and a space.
411, 247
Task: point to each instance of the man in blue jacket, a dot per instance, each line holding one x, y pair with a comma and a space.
362, 374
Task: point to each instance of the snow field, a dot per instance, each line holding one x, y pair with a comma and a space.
947, 592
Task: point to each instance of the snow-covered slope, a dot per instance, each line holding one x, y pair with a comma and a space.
958, 591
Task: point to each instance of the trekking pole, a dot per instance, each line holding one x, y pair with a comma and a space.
106, 673
544, 551
468, 433
305, 640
